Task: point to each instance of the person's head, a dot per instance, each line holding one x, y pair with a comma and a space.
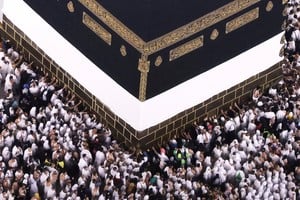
15, 186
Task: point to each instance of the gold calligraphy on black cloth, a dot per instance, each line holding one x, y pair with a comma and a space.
147, 48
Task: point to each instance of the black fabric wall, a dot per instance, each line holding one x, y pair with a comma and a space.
150, 19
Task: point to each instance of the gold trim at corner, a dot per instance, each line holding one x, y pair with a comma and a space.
113, 23
242, 20
172, 37
186, 48
96, 28
143, 86
143, 67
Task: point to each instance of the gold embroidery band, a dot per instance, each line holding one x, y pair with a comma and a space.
171, 37
197, 25
143, 67
111, 21
96, 28
186, 48
242, 20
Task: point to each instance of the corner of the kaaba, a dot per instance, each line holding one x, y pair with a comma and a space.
234, 32
166, 60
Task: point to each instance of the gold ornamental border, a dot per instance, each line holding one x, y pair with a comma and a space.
96, 28
186, 48
185, 31
242, 20
116, 25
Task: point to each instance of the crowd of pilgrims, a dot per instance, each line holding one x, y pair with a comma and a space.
52, 148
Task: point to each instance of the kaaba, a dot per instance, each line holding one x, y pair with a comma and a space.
150, 46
